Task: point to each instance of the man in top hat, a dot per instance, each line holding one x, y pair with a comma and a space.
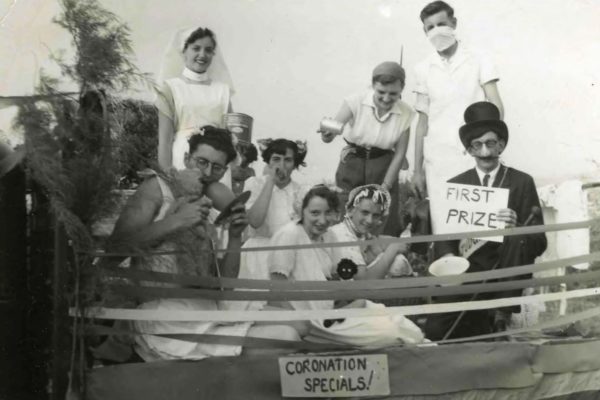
484, 135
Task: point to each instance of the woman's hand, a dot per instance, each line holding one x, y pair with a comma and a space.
270, 172
327, 136
399, 248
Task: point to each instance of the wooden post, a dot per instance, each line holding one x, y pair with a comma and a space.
39, 294
60, 319
14, 377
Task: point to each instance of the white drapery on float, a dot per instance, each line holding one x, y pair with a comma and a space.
509, 370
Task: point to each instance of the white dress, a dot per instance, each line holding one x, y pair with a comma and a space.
191, 105
253, 264
154, 348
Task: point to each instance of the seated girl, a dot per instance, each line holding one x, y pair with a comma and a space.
318, 264
366, 209
271, 206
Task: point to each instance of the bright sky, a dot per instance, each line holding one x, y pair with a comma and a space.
294, 61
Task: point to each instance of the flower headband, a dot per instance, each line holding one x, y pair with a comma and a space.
263, 145
376, 193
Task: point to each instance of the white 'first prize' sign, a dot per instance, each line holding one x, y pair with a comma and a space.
470, 208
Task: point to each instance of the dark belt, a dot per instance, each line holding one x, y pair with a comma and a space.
369, 152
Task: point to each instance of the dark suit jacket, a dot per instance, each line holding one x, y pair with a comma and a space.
515, 250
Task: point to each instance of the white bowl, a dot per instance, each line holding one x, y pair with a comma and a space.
446, 266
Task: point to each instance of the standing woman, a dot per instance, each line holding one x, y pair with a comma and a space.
193, 97
377, 127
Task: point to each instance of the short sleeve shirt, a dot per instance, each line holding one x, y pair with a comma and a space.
368, 130
449, 87
343, 234
313, 264
281, 206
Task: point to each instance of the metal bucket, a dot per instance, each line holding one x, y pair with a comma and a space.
239, 125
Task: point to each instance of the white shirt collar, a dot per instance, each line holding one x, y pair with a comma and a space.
456, 58
368, 101
492, 174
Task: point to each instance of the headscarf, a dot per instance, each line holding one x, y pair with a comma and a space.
173, 63
376, 193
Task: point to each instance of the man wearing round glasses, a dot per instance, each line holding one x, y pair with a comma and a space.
166, 222
485, 135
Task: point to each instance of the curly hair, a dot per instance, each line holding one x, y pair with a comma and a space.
280, 146
248, 151
217, 138
323, 192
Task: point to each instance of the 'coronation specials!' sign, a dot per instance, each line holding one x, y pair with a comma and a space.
334, 376
469, 208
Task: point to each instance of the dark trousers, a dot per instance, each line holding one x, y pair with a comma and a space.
473, 323
356, 171
514, 251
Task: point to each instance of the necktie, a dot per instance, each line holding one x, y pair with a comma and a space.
486, 179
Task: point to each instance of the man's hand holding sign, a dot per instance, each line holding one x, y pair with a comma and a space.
470, 208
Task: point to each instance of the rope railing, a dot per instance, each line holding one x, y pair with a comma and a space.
303, 315
523, 230
119, 281
397, 283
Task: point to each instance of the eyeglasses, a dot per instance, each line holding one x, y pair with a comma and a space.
203, 163
488, 143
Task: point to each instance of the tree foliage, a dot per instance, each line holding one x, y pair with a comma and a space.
78, 147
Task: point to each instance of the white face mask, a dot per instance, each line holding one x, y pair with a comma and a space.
442, 37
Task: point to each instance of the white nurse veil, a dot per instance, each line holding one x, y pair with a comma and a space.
172, 63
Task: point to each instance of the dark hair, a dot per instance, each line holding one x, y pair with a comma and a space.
323, 192
280, 146
199, 34
436, 7
247, 150
217, 138
386, 79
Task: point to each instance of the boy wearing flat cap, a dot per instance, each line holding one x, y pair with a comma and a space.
448, 81
376, 130
484, 135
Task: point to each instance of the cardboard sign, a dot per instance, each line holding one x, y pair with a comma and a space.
334, 376
469, 208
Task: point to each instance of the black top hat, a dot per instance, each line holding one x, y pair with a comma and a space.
482, 117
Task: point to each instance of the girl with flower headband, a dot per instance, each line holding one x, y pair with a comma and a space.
271, 204
375, 126
366, 209
195, 92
